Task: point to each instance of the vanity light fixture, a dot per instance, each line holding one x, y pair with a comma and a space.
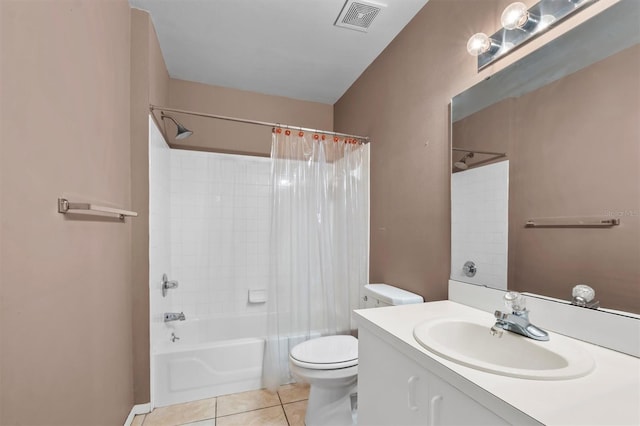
520, 25
515, 16
480, 43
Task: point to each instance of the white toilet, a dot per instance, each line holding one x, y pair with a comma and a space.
330, 364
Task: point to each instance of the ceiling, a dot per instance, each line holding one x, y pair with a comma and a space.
278, 47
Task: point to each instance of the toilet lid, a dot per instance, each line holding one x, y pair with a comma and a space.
326, 353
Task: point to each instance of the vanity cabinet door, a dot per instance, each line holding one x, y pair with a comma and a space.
395, 390
392, 389
450, 407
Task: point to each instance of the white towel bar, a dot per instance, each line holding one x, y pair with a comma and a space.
65, 206
557, 222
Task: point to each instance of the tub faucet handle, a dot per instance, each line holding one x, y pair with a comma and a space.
167, 285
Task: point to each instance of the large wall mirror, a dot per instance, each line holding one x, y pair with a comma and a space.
546, 168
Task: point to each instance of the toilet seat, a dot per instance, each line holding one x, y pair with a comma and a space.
326, 353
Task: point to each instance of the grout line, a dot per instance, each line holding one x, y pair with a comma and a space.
295, 400
283, 410
286, 418
196, 421
248, 411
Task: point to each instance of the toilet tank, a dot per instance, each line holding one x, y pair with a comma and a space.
376, 295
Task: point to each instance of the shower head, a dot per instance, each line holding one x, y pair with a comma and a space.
462, 164
182, 132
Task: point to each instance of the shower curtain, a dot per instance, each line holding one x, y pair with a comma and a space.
319, 241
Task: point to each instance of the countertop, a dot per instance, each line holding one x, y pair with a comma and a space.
609, 395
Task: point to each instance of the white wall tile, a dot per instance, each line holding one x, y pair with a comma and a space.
160, 172
219, 226
479, 223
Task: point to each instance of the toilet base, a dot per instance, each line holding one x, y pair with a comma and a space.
331, 406
332, 395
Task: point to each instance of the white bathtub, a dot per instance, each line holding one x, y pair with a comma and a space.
214, 356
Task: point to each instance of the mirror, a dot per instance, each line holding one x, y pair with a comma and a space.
545, 168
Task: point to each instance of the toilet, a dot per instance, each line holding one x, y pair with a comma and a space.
330, 364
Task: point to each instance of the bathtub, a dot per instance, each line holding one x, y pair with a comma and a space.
213, 356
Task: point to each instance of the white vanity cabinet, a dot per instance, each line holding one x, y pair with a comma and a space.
393, 389
402, 383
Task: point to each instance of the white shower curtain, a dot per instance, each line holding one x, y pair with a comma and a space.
319, 241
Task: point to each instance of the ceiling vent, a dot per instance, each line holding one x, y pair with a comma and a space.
358, 15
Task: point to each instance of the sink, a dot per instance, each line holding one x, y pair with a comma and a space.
470, 343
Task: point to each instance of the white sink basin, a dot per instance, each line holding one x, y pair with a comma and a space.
470, 343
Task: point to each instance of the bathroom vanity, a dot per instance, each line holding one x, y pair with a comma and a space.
400, 382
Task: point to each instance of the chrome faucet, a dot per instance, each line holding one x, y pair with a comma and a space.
518, 320
174, 316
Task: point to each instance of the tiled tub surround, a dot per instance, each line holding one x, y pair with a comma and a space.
220, 216
209, 228
287, 407
479, 223
159, 237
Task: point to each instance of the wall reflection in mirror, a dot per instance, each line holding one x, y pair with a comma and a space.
555, 136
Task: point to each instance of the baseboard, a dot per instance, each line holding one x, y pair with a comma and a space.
135, 410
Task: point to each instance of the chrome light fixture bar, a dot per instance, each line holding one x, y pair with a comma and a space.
520, 25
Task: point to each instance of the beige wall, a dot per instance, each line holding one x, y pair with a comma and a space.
149, 85
571, 157
225, 136
65, 312
575, 153
489, 130
401, 102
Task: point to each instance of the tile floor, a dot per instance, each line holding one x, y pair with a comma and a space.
287, 407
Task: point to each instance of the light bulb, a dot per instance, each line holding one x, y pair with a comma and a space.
514, 16
545, 21
478, 43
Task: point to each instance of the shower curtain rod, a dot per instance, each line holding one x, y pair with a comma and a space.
498, 154
258, 123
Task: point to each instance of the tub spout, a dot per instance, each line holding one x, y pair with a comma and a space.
174, 316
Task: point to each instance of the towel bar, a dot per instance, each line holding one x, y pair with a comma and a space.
65, 206
558, 222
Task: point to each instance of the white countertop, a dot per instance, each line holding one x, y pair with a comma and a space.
609, 395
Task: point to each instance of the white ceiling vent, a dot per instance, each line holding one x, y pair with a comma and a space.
358, 15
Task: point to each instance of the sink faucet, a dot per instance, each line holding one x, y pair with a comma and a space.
518, 320
174, 316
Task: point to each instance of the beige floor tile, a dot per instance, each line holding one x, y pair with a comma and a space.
245, 401
293, 392
272, 416
210, 422
137, 420
182, 413
295, 412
